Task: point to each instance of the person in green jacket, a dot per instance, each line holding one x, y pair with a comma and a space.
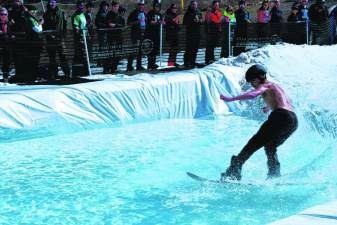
79, 23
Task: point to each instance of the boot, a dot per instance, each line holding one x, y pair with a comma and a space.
5, 77
233, 172
274, 170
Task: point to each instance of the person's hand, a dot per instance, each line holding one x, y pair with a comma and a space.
225, 98
112, 25
265, 109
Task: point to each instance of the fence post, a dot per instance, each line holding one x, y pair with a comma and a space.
307, 30
43, 8
161, 46
229, 40
86, 51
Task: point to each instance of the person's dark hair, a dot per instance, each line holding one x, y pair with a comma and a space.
256, 71
89, 4
79, 2
214, 2
294, 7
103, 3
242, 2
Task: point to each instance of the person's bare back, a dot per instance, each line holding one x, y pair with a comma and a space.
275, 97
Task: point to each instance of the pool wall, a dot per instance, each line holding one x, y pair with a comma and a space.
29, 110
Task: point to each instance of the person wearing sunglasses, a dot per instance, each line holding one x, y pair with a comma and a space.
5, 42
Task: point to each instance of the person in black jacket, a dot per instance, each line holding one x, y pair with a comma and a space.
101, 23
318, 16
276, 18
6, 38
17, 16
302, 10
192, 21
172, 28
137, 21
154, 21
55, 22
293, 17
240, 35
116, 22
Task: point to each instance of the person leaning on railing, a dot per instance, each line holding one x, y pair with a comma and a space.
6, 38
55, 24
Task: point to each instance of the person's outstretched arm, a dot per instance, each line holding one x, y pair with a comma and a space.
245, 96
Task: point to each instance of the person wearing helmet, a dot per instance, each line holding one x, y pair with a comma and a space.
281, 123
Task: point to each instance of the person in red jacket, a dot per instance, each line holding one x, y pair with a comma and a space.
213, 20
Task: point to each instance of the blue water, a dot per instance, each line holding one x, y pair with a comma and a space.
136, 174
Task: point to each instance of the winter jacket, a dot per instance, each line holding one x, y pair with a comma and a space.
55, 19
276, 15
138, 26
213, 21
318, 13
192, 20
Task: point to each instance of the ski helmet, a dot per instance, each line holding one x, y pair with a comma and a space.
256, 71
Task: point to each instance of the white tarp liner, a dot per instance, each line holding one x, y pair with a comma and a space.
25, 110
322, 214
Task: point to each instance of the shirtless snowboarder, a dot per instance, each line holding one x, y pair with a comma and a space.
281, 123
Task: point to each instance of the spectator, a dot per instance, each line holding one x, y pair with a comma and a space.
137, 20
33, 46
213, 20
55, 21
240, 35
101, 22
192, 21
318, 16
276, 18
263, 15
79, 23
172, 28
293, 17
229, 17
294, 36
318, 12
116, 22
154, 21
303, 10
263, 18
89, 18
17, 16
276, 13
6, 37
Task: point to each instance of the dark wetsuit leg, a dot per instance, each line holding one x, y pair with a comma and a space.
280, 125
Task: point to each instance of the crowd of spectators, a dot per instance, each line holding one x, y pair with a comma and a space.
21, 41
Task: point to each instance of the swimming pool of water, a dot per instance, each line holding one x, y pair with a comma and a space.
136, 174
